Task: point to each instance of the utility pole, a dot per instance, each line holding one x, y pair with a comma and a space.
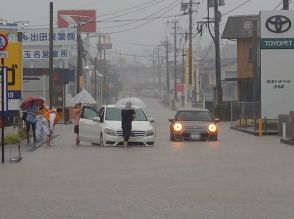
190, 40
159, 73
153, 69
175, 57
80, 57
285, 4
51, 57
95, 80
217, 53
166, 45
183, 78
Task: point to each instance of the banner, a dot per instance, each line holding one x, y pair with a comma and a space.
276, 59
70, 18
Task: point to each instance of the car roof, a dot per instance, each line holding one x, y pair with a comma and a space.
114, 106
193, 109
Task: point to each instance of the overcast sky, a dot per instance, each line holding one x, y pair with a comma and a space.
37, 13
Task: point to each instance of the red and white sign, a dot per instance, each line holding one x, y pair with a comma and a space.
180, 87
3, 42
86, 19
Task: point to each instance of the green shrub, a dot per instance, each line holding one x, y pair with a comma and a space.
12, 139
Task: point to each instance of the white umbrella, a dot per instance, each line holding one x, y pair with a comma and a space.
83, 97
136, 102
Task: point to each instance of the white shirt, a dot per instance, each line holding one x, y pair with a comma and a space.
52, 118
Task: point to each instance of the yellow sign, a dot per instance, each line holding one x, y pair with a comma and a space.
15, 66
186, 59
13, 62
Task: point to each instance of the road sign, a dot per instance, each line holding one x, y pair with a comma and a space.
3, 54
5, 90
3, 42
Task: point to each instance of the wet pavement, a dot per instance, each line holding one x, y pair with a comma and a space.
241, 176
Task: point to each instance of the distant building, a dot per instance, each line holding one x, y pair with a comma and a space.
244, 29
229, 74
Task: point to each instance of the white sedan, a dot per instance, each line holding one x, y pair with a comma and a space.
103, 127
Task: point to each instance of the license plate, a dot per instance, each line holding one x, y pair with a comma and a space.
195, 136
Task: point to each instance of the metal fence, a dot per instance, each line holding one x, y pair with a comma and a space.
245, 114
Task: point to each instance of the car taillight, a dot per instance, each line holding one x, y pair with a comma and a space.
212, 128
178, 127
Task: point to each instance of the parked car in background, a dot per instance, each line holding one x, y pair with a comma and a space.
103, 127
193, 124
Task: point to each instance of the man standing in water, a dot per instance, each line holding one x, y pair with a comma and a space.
127, 116
77, 116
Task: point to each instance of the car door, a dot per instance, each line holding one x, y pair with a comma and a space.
88, 127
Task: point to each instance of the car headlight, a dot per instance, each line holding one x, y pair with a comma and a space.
212, 128
110, 132
150, 132
178, 127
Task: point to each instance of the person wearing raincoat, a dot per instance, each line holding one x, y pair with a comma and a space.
51, 119
128, 114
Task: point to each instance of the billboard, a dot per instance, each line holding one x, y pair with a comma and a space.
29, 53
40, 37
104, 42
13, 62
70, 18
276, 59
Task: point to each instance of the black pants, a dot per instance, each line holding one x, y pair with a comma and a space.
28, 125
126, 133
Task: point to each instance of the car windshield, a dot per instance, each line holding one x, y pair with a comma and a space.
194, 116
114, 114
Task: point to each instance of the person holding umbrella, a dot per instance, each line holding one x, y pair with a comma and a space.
128, 114
31, 106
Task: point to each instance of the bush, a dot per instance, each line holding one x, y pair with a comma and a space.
12, 139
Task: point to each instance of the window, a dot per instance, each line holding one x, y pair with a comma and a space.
194, 116
114, 114
89, 113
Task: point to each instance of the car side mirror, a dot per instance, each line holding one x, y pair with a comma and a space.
96, 119
151, 120
171, 120
216, 120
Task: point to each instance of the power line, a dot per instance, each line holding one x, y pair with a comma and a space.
119, 11
237, 7
140, 19
133, 28
133, 43
137, 20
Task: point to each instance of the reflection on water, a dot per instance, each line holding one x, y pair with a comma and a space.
213, 144
177, 146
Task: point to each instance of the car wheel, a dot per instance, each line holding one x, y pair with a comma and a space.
212, 138
101, 140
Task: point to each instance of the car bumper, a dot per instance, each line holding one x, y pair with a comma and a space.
194, 135
117, 140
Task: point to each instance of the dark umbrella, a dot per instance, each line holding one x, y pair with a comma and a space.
29, 101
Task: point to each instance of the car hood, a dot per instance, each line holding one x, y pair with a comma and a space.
136, 125
194, 124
